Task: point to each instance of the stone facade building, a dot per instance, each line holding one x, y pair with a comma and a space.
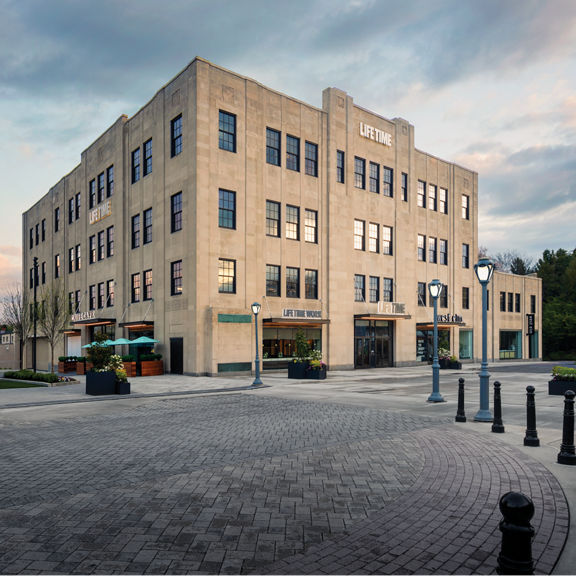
220, 192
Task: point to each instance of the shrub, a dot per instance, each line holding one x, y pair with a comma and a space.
145, 357
564, 373
128, 358
31, 375
99, 354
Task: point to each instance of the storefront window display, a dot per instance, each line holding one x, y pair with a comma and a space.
510, 344
465, 345
425, 343
279, 345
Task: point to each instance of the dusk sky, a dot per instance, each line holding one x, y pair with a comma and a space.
488, 84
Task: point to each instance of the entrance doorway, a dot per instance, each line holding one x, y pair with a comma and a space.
176, 355
373, 341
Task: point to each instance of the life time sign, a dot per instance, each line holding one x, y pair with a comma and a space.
295, 313
375, 134
100, 212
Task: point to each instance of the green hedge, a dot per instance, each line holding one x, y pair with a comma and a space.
33, 376
151, 357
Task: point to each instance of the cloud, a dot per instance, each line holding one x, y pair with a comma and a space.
10, 267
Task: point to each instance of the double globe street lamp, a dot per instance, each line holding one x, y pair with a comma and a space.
484, 270
256, 310
435, 289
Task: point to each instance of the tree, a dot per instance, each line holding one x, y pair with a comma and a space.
17, 316
53, 316
513, 262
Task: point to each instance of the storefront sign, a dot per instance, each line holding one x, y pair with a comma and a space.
82, 316
374, 134
391, 308
100, 212
449, 319
530, 319
304, 314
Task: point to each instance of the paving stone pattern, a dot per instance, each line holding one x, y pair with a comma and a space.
241, 483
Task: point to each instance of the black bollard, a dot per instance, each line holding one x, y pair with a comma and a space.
531, 438
460, 414
567, 455
516, 553
497, 426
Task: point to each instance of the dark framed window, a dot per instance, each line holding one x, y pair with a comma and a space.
272, 218
176, 136
78, 205
43, 272
443, 201
31, 277
510, 302
387, 290
532, 304
374, 178
502, 301
421, 293
37, 233
78, 257
147, 157
135, 287
421, 198
71, 206
387, 241
272, 280
176, 278
92, 249
387, 182
70, 302
147, 226
56, 219
465, 298
101, 244
443, 300
359, 288
340, 166
311, 159
374, 288
311, 226
43, 229
101, 295
176, 212
465, 256
110, 293
147, 284
110, 241
465, 207
273, 145
373, 237
516, 302
311, 284
71, 259
421, 248
135, 231
92, 193
92, 297
432, 197
31, 238
292, 282
292, 222
78, 301
110, 181
404, 186
135, 167
101, 188
57, 266
227, 131
293, 153
432, 250
443, 251
226, 276
359, 173
359, 235
227, 209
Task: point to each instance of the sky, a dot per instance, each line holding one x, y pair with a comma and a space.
488, 84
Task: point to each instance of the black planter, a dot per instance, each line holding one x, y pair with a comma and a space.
100, 383
444, 363
560, 387
297, 370
316, 374
455, 365
122, 387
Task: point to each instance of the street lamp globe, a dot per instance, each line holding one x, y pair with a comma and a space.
484, 269
435, 288
256, 308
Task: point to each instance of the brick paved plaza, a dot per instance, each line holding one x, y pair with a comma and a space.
251, 483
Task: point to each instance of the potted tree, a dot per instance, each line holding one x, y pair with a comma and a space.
101, 379
297, 368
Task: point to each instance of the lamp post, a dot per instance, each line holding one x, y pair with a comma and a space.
435, 289
35, 312
484, 269
256, 310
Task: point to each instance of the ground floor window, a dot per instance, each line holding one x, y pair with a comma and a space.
510, 344
279, 344
465, 345
425, 344
373, 343
533, 345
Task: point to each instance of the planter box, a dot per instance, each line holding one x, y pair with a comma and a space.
122, 387
100, 383
151, 367
130, 368
297, 370
455, 365
83, 367
560, 387
68, 366
316, 374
